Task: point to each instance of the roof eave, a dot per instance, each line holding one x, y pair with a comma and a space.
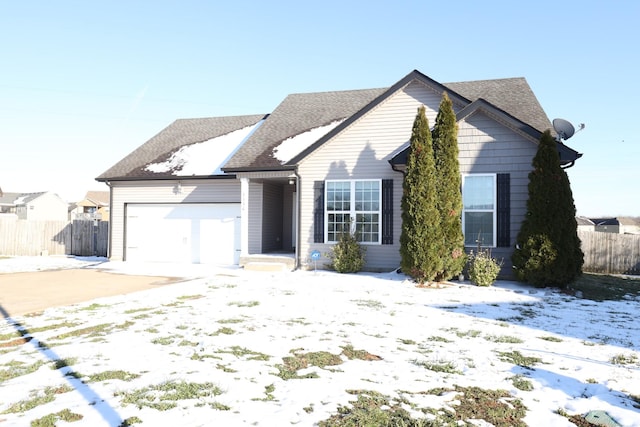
286, 167
568, 156
165, 178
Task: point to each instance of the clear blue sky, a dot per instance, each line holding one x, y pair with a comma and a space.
82, 84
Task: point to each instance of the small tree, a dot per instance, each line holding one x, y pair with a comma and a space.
421, 238
448, 183
547, 247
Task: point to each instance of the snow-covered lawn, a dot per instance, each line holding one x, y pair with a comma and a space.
231, 347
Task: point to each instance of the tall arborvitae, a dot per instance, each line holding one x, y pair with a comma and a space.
448, 183
421, 238
547, 247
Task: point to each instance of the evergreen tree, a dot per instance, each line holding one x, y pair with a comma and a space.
421, 238
548, 248
448, 183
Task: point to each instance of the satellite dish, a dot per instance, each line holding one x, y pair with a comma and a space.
563, 128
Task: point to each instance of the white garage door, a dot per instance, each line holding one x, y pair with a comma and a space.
185, 233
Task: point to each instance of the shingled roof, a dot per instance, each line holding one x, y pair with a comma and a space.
303, 112
296, 114
180, 133
514, 96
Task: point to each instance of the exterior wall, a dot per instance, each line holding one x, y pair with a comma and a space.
609, 228
488, 146
255, 217
586, 227
101, 212
196, 191
629, 229
48, 206
364, 149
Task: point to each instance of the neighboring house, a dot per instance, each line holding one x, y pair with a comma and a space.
228, 189
585, 224
7, 205
95, 205
35, 206
619, 225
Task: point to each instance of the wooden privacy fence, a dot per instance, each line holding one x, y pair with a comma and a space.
32, 238
610, 253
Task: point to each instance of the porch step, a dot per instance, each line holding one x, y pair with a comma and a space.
265, 266
267, 263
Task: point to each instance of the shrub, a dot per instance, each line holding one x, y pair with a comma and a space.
483, 268
347, 256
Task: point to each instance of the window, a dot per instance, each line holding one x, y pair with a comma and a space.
358, 201
479, 210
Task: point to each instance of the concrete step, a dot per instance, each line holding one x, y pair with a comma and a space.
268, 262
266, 266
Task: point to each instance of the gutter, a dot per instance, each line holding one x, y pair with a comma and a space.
297, 225
395, 169
110, 211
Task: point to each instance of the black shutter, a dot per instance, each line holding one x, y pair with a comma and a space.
318, 212
504, 210
387, 211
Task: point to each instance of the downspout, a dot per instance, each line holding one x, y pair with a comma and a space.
297, 225
110, 227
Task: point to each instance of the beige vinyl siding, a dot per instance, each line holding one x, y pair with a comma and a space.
196, 191
46, 207
255, 217
488, 146
363, 151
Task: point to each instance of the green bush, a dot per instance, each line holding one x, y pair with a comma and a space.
347, 256
535, 258
547, 251
483, 268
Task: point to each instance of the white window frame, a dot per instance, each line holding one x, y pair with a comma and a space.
352, 212
494, 211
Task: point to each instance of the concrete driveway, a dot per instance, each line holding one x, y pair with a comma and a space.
26, 293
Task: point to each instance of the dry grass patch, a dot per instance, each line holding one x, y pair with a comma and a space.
37, 398
372, 408
165, 396
321, 359
51, 420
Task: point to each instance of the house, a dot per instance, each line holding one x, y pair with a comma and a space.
585, 224
95, 205
619, 225
7, 205
231, 189
34, 206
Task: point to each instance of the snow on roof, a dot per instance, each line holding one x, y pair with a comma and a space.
20, 200
204, 158
291, 147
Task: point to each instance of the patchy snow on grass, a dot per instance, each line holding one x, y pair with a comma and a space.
204, 158
219, 349
20, 264
291, 147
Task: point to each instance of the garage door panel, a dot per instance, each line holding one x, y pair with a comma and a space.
191, 233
